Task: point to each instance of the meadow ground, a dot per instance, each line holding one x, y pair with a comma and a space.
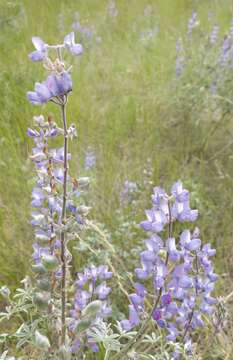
144, 123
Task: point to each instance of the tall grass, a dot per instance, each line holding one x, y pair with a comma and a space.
127, 107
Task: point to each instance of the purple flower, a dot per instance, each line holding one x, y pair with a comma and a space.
102, 291
41, 49
133, 319
91, 279
54, 86
192, 23
181, 291
69, 42
214, 34
90, 160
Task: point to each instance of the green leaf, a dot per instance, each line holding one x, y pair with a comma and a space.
83, 325
92, 309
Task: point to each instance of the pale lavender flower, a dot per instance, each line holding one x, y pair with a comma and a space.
90, 287
182, 291
225, 51
54, 86
192, 23
90, 159
74, 48
41, 49
214, 34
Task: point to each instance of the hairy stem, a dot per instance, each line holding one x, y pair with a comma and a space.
63, 234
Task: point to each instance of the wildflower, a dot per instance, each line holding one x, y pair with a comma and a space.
90, 160
180, 269
192, 23
92, 293
69, 42
214, 34
54, 86
41, 49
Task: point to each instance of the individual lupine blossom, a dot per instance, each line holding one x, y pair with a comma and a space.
214, 34
91, 291
192, 23
179, 269
59, 82
90, 159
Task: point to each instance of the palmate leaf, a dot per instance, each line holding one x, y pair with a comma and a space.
102, 333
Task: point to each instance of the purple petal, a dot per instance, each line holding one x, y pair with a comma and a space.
36, 56
38, 43
76, 49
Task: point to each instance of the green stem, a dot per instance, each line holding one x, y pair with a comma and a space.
63, 234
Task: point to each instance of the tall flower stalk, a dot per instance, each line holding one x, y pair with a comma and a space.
56, 89
63, 233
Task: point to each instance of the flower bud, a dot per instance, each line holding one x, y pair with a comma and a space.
41, 341
83, 182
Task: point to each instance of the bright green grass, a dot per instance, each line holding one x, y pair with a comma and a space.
124, 107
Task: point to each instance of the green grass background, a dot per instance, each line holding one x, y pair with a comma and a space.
125, 106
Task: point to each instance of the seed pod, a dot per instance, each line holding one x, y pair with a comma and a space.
41, 300
50, 262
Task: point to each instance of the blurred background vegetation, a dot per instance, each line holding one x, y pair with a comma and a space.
148, 99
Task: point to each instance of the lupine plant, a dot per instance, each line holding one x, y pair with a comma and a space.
62, 318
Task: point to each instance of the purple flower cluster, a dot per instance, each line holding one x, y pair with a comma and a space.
54, 86
59, 82
214, 34
179, 268
41, 52
180, 59
192, 23
90, 304
45, 199
90, 159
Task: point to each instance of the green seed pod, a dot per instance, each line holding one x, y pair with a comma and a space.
44, 284
41, 300
83, 182
50, 262
39, 269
